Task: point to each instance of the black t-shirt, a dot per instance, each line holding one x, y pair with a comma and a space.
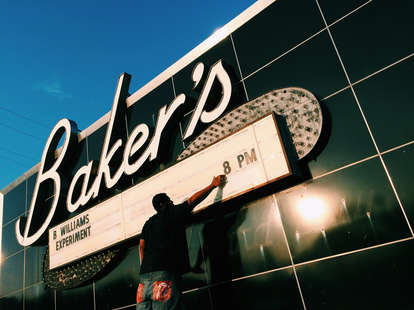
165, 240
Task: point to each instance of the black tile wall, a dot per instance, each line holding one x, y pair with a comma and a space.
34, 264
401, 167
12, 274
274, 31
276, 290
245, 242
375, 36
95, 143
373, 279
31, 182
14, 202
12, 301
146, 109
335, 10
9, 242
388, 105
314, 66
347, 210
39, 297
118, 287
342, 120
197, 299
75, 298
198, 275
79, 157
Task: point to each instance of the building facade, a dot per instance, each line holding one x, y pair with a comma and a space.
338, 235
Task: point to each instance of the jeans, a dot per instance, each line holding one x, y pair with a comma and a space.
159, 290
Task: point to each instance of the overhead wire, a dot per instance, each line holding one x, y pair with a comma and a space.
17, 153
14, 161
25, 117
20, 132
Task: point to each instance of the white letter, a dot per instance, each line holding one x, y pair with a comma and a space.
68, 128
131, 148
218, 71
84, 171
162, 120
106, 156
152, 150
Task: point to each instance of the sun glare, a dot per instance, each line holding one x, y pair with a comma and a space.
312, 209
217, 29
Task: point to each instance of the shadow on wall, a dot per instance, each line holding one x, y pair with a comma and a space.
241, 242
10, 303
221, 249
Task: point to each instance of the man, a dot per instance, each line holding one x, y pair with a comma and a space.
163, 250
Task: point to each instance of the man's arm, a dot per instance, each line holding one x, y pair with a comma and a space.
198, 197
141, 249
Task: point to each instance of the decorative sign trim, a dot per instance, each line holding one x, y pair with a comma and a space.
298, 106
75, 274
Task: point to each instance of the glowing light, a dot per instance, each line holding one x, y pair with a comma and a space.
312, 209
218, 29
218, 34
297, 236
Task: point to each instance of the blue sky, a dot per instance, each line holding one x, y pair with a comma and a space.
63, 58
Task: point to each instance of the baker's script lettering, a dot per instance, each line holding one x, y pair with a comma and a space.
51, 165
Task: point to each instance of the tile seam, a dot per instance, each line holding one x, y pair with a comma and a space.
237, 279
367, 124
290, 253
238, 65
179, 123
368, 76
304, 263
284, 54
124, 307
344, 167
350, 13
14, 219
397, 147
383, 69
309, 38
354, 251
14, 254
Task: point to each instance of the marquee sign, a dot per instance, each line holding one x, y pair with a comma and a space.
244, 144
251, 157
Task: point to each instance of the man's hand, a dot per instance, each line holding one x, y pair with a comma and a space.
218, 180
202, 194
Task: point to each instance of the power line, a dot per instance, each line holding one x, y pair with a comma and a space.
21, 132
17, 153
25, 118
14, 161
